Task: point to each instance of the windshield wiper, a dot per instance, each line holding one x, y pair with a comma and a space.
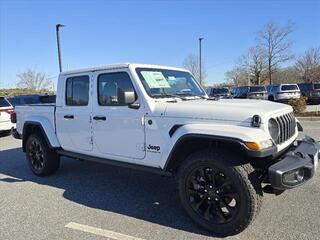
190, 95
164, 95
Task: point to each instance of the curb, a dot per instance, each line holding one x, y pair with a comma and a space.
308, 118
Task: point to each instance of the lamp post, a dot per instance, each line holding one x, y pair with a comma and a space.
58, 45
200, 59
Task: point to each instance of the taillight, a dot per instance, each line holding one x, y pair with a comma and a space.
9, 111
13, 117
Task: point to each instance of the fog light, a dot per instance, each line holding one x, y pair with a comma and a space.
293, 177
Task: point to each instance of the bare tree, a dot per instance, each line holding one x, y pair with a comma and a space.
34, 80
308, 65
191, 62
286, 75
237, 75
276, 44
254, 63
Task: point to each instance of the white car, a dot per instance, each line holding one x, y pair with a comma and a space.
283, 92
6, 110
225, 153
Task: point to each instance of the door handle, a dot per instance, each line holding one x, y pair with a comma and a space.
99, 118
68, 116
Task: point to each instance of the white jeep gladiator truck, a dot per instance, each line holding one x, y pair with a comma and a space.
225, 153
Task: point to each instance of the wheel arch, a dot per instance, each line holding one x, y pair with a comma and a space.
189, 143
48, 133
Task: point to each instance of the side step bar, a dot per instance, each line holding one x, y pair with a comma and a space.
114, 163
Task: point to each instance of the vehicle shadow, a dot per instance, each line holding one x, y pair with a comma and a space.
124, 191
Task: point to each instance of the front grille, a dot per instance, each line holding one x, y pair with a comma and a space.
287, 124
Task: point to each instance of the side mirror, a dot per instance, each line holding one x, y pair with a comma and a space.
130, 98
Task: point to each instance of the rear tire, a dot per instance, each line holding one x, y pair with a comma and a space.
220, 197
42, 160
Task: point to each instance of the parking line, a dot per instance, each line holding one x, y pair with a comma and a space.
100, 232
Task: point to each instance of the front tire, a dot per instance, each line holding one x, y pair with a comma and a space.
220, 197
41, 159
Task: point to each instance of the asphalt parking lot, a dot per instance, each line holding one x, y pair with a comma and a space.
92, 201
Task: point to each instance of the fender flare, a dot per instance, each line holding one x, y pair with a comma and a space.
51, 141
255, 154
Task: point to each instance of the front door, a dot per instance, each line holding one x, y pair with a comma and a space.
73, 117
118, 131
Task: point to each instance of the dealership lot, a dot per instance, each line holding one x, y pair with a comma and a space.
92, 201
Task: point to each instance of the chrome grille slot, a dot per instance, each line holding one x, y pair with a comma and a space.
287, 126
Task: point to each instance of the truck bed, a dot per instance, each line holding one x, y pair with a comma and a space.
34, 112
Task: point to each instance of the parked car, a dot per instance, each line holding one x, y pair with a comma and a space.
159, 119
6, 110
31, 99
311, 91
218, 92
251, 92
283, 92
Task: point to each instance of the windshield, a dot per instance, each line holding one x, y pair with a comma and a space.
317, 86
169, 83
220, 91
289, 87
257, 89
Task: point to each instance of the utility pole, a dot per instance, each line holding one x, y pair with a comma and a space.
200, 59
249, 82
58, 45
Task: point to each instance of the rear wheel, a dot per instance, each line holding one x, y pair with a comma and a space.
221, 198
41, 159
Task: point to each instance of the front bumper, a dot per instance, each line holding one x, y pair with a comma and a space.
297, 166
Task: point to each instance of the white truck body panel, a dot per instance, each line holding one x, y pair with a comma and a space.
44, 115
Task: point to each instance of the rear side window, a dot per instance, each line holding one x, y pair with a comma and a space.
317, 86
220, 91
257, 89
77, 91
111, 87
4, 103
243, 90
289, 87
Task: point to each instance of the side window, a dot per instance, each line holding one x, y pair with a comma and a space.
111, 88
236, 92
274, 89
77, 91
309, 86
243, 91
302, 87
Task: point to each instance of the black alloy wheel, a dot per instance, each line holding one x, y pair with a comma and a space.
36, 155
212, 195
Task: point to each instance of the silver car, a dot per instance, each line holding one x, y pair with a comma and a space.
283, 92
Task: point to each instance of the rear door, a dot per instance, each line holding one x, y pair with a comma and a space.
73, 117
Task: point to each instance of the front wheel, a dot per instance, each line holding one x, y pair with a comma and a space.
41, 159
222, 198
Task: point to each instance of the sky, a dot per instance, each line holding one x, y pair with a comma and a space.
153, 32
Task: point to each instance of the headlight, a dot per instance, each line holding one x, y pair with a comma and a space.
274, 129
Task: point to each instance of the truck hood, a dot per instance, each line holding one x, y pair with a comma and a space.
238, 110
